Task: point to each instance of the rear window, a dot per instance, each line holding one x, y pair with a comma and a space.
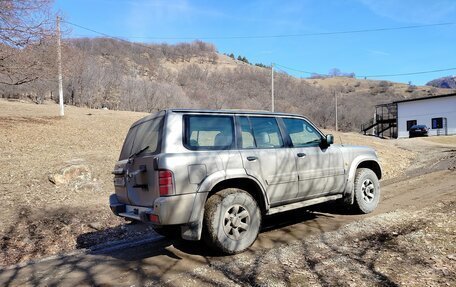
143, 136
208, 132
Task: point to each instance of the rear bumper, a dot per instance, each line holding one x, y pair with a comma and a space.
170, 210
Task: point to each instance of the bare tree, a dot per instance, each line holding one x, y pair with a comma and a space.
23, 25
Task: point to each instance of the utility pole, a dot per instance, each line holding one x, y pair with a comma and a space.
272, 87
59, 66
337, 124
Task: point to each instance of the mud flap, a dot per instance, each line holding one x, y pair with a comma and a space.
192, 231
115, 205
349, 193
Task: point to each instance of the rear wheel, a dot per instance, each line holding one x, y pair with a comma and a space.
367, 190
232, 221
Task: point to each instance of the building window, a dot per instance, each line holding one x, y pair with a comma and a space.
410, 124
437, 123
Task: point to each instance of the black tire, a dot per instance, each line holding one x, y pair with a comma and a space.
367, 190
232, 221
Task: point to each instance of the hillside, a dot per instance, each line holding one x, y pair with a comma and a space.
444, 82
120, 75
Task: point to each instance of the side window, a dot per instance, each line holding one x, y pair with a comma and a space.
247, 140
266, 133
302, 133
410, 124
208, 132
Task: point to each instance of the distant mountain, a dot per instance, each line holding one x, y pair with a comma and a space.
445, 82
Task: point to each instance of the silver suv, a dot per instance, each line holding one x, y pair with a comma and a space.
215, 174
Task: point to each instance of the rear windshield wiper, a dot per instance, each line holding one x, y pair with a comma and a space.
138, 152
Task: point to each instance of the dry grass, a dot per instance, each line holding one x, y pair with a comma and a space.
446, 140
38, 217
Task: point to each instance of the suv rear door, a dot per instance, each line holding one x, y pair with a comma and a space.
135, 179
320, 168
266, 158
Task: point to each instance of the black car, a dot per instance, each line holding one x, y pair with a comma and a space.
418, 131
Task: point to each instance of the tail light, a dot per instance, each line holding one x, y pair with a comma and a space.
165, 182
154, 218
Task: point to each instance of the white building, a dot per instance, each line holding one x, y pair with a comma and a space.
438, 113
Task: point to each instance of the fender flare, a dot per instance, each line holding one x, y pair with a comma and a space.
357, 161
349, 195
193, 230
208, 184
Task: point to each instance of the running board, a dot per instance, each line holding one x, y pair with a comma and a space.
300, 204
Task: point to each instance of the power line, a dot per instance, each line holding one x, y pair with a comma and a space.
267, 36
291, 35
411, 73
371, 76
108, 36
296, 70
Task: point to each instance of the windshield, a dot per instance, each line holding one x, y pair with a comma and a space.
143, 136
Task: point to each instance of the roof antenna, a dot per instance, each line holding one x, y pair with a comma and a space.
341, 143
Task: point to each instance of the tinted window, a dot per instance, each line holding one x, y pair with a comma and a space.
208, 132
410, 124
265, 132
302, 133
247, 140
437, 123
143, 136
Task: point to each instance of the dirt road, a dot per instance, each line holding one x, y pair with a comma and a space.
183, 264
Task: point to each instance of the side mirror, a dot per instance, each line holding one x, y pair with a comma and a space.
329, 139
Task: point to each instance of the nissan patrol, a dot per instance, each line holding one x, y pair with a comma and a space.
214, 175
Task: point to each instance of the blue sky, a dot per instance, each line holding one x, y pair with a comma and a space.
385, 52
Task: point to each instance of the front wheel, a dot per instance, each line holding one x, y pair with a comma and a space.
232, 221
367, 190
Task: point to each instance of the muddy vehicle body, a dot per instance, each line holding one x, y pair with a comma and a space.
214, 175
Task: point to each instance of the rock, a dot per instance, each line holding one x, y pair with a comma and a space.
71, 173
96, 225
85, 186
451, 257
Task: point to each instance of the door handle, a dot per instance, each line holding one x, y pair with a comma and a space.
251, 158
301, 154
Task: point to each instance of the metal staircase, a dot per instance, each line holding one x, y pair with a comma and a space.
384, 123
